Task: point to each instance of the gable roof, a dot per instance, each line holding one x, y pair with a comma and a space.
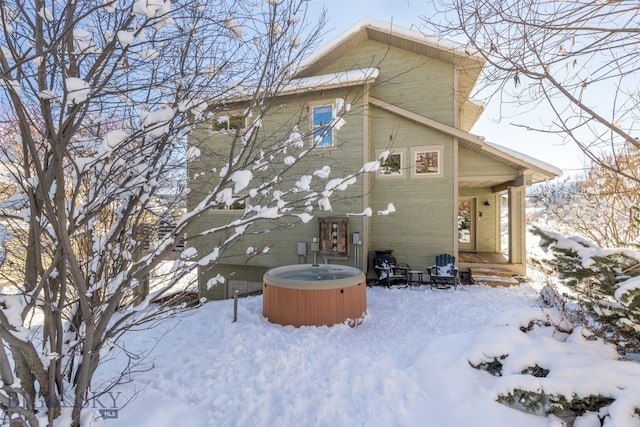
467, 64
307, 78
537, 169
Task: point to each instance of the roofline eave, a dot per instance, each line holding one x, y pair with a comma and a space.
472, 141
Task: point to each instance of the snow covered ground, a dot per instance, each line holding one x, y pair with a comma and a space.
407, 364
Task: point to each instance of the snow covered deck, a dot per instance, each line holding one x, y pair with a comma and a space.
470, 260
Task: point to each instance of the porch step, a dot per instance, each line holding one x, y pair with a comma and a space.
488, 271
494, 281
492, 276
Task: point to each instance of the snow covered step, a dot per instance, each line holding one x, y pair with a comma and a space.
493, 280
492, 276
487, 271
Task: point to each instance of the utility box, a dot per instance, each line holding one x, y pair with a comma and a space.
302, 248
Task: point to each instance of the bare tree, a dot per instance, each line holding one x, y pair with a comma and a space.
600, 205
577, 57
97, 100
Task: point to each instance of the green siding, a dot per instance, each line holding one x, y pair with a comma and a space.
422, 225
472, 164
281, 235
417, 83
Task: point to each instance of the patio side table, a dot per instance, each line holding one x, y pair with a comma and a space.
417, 273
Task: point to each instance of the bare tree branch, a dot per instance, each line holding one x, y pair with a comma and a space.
579, 58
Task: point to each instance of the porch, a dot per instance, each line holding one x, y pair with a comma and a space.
488, 268
466, 259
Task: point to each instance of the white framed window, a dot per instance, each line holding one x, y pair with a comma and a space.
393, 166
427, 161
321, 119
239, 204
228, 121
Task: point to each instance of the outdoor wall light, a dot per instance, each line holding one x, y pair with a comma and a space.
486, 203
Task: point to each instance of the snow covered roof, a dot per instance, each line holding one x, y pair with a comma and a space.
315, 83
331, 81
468, 64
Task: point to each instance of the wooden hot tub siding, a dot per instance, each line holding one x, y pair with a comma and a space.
314, 307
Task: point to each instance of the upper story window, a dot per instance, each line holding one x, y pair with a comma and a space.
239, 203
228, 121
322, 116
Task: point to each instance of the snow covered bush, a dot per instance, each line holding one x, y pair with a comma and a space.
543, 366
601, 286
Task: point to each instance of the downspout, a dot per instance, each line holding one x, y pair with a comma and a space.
366, 183
456, 124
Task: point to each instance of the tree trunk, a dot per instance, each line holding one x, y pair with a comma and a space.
24, 374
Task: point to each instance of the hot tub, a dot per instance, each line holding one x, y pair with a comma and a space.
314, 295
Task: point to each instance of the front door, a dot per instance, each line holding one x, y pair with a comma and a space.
467, 224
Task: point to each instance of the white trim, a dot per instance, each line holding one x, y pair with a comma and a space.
403, 166
329, 125
526, 158
225, 116
474, 142
472, 244
390, 28
430, 163
229, 208
315, 83
330, 81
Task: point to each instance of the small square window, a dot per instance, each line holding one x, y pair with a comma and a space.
239, 203
427, 161
227, 122
392, 166
322, 116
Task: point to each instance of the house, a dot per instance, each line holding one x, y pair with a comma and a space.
408, 95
